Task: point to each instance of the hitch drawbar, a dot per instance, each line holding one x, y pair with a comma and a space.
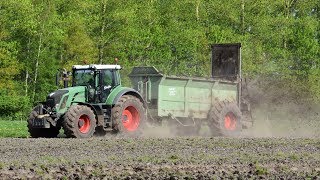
41, 121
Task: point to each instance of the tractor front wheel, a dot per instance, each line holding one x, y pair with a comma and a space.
79, 122
128, 116
41, 132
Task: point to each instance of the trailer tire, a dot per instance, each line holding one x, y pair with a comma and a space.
128, 116
79, 122
224, 119
52, 132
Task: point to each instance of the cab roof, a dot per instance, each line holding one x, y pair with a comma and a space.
97, 66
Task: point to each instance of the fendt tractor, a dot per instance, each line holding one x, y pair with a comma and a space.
97, 104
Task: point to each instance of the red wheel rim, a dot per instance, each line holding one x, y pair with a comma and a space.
230, 121
130, 118
84, 124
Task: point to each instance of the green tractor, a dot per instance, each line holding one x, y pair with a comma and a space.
95, 105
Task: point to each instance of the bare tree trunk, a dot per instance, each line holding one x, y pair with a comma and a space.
286, 7
103, 26
28, 47
197, 9
242, 17
37, 67
28, 57
26, 82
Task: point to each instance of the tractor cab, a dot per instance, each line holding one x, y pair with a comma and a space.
99, 80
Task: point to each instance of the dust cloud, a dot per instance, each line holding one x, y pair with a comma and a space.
281, 111
285, 120
158, 132
282, 120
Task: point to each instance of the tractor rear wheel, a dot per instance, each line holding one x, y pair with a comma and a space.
79, 122
128, 116
225, 119
40, 132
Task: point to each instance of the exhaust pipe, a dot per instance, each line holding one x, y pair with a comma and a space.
65, 78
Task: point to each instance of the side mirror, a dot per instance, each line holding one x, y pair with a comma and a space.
64, 76
57, 78
65, 79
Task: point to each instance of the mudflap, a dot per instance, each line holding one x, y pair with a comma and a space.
41, 121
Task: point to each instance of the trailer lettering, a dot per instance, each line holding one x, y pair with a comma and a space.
172, 91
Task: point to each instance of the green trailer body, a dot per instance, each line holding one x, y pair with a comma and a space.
191, 97
180, 96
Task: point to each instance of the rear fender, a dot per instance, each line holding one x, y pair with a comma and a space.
128, 91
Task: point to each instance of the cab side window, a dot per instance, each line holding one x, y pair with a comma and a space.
107, 78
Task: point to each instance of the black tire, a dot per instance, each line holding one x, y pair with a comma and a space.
52, 132
224, 119
79, 122
129, 107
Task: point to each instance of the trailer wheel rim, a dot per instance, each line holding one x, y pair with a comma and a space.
130, 118
230, 121
84, 124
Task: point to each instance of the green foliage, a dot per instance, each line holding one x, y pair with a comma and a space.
13, 106
13, 129
280, 40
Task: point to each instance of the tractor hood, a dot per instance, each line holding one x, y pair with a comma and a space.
62, 98
75, 90
55, 97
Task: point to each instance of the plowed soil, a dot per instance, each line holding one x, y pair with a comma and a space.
160, 158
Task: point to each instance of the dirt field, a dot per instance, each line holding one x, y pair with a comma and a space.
284, 143
160, 158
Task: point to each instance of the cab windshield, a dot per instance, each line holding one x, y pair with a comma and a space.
83, 77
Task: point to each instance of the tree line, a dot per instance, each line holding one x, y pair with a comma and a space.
280, 41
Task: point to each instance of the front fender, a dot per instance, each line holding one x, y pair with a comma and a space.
119, 92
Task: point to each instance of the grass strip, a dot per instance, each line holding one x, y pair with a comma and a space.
16, 129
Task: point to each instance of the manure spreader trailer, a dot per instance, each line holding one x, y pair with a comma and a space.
188, 102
